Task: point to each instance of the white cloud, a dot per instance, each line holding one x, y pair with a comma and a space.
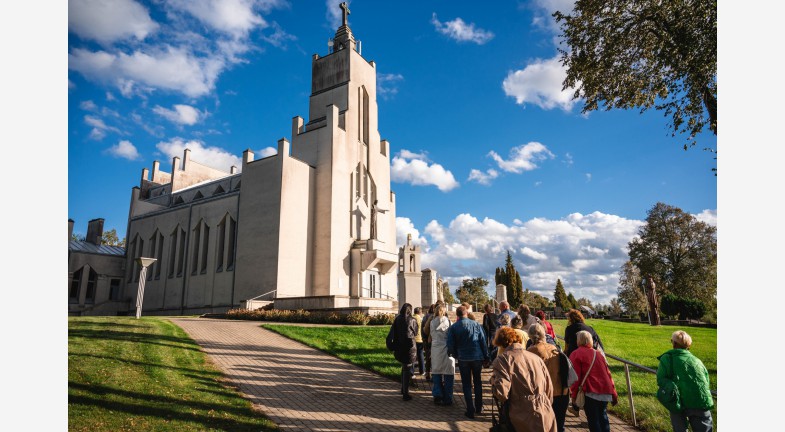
214, 157
540, 83
588, 177
99, 127
181, 114
404, 227
406, 154
418, 172
483, 178
707, 216
334, 13
106, 21
267, 151
568, 159
124, 149
458, 30
585, 251
234, 17
387, 85
170, 68
544, 9
523, 157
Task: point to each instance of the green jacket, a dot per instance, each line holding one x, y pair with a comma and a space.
691, 375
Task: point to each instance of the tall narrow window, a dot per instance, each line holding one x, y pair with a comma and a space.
92, 280
137, 253
232, 241
181, 253
195, 249
366, 104
76, 282
159, 256
172, 251
220, 244
205, 245
132, 263
114, 289
153, 249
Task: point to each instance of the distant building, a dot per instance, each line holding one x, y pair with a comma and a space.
298, 228
96, 273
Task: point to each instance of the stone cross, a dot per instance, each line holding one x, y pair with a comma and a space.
346, 13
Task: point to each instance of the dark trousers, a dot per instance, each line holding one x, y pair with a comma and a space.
597, 415
559, 406
427, 350
420, 358
406, 374
700, 420
471, 372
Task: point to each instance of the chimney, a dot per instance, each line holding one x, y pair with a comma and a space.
95, 230
233, 170
247, 157
156, 170
70, 229
283, 147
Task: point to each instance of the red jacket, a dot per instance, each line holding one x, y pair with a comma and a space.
548, 328
599, 380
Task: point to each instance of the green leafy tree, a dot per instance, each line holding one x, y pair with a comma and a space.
573, 303
534, 300
644, 54
583, 301
472, 291
679, 252
448, 297
110, 238
630, 290
615, 308
685, 308
560, 296
509, 277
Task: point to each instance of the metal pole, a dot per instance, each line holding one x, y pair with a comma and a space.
629, 393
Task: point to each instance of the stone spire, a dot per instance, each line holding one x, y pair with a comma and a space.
343, 36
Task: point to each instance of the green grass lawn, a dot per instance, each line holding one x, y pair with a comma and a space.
640, 343
126, 374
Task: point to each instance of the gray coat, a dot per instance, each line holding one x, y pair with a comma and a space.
441, 363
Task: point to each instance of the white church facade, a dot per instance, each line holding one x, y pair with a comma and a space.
311, 227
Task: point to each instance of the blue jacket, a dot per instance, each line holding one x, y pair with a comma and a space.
466, 340
505, 312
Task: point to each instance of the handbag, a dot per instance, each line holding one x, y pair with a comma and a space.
580, 398
668, 393
503, 423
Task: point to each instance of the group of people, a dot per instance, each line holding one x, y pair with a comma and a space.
533, 379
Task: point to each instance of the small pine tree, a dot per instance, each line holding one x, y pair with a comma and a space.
448, 297
560, 296
573, 303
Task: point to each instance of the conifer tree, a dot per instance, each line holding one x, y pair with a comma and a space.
560, 296
510, 278
573, 302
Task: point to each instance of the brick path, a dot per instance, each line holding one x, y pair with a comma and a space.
303, 389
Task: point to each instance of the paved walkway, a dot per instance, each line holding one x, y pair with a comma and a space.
303, 389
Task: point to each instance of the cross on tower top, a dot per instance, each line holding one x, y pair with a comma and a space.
345, 9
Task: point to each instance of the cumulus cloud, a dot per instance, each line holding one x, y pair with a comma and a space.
387, 85
460, 31
124, 149
540, 83
483, 178
181, 114
234, 17
417, 171
99, 128
403, 228
707, 216
523, 157
584, 251
170, 68
214, 157
267, 152
106, 21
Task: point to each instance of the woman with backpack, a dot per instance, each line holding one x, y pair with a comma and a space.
678, 366
558, 369
576, 323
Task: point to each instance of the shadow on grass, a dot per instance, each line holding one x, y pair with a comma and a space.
123, 336
145, 364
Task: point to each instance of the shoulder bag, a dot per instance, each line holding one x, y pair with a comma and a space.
580, 398
668, 394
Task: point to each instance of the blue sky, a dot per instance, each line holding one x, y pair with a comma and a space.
489, 154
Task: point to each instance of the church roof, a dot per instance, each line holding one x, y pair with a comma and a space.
86, 247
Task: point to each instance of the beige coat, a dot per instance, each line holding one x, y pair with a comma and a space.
522, 377
550, 355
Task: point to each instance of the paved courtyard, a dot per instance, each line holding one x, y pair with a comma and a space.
303, 389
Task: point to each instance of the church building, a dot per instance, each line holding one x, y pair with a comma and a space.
311, 227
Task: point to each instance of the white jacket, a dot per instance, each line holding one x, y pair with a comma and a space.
441, 363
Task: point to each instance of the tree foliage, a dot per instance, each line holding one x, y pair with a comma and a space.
644, 54
679, 252
573, 303
509, 277
110, 238
448, 297
615, 307
630, 290
535, 301
560, 296
472, 291
683, 307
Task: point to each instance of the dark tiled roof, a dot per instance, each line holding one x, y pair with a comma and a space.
85, 247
